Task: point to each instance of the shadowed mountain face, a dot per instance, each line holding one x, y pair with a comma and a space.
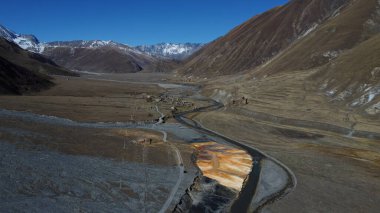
22, 71
93, 60
15, 79
29, 60
261, 38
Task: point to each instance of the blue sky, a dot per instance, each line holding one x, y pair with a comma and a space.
130, 21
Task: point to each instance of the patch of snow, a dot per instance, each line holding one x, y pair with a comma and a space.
343, 95
28, 43
311, 29
324, 85
369, 95
374, 109
372, 95
98, 43
331, 92
25, 43
221, 96
331, 54
41, 48
362, 87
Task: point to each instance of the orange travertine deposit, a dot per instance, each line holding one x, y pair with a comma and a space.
227, 165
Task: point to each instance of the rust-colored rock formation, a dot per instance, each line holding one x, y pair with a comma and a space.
227, 165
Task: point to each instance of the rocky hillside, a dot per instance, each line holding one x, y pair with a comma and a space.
342, 53
329, 47
261, 38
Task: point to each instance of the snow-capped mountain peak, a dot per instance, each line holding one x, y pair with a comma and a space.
6, 33
28, 42
170, 50
92, 44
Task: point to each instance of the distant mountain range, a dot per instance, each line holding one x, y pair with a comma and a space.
105, 56
170, 50
162, 50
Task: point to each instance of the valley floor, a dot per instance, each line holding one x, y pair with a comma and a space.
335, 171
61, 151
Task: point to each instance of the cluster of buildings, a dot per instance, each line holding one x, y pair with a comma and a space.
242, 101
172, 100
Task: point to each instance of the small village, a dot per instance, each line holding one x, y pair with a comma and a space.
177, 103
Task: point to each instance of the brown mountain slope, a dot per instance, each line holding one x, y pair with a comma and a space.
315, 106
344, 54
104, 57
354, 77
327, 41
338, 60
94, 60
261, 38
15, 79
31, 61
339, 56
